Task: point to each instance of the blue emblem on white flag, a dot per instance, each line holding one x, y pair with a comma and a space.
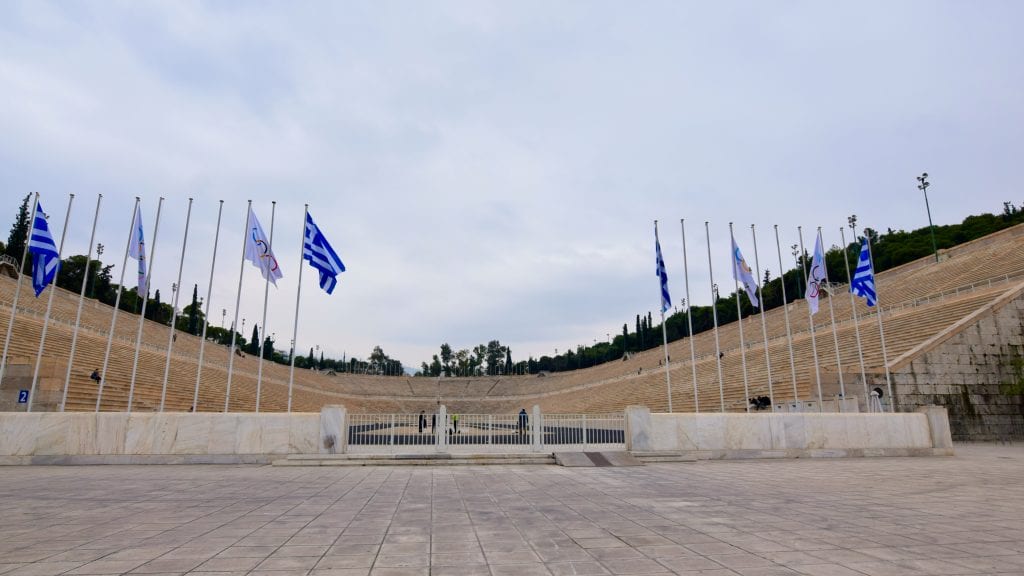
137, 250
741, 273
259, 252
45, 258
321, 256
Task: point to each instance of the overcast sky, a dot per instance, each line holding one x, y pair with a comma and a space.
493, 170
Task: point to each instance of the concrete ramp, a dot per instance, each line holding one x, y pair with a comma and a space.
598, 459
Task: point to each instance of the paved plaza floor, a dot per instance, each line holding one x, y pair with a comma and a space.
873, 516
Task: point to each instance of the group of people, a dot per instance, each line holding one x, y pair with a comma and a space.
523, 422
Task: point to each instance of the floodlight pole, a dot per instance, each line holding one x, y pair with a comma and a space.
923, 186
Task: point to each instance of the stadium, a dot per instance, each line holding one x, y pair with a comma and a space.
952, 332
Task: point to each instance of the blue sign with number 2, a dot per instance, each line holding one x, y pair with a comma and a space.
22, 396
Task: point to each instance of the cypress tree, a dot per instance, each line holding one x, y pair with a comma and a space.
16, 240
193, 317
254, 342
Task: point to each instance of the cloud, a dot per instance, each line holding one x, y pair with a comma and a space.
492, 171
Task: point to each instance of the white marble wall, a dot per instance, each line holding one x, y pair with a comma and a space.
44, 434
799, 431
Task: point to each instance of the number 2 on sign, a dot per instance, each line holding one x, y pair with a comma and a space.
22, 396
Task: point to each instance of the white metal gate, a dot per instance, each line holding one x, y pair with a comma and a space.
484, 433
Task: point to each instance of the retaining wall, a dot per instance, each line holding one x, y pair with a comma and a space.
794, 435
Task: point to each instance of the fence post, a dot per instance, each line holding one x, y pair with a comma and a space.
333, 429
391, 439
441, 429
490, 428
584, 431
538, 430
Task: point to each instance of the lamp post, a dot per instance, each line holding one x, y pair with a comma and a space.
92, 285
796, 262
852, 222
923, 187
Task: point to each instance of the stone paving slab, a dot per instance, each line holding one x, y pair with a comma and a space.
961, 515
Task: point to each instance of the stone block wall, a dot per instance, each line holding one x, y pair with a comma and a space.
978, 375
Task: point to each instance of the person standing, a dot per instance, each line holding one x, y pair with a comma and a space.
423, 421
455, 423
524, 420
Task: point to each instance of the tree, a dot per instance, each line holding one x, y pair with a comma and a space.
154, 312
639, 334
508, 359
625, 338
195, 319
268, 348
446, 359
254, 342
477, 359
492, 355
19, 231
193, 314
73, 268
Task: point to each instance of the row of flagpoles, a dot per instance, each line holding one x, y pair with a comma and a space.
861, 283
257, 249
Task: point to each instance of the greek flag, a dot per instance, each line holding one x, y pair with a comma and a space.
666, 300
863, 283
45, 258
321, 256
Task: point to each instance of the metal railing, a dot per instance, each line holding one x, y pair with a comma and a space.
483, 433
390, 430
584, 431
489, 430
987, 428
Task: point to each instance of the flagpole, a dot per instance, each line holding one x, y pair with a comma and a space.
206, 314
856, 322
764, 323
238, 300
689, 319
174, 308
145, 300
298, 295
881, 331
739, 322
49, 303
263, 325
117, 302
81, 300
17, 289
832, 318
785, 313
714, 316
664, 335
810, 318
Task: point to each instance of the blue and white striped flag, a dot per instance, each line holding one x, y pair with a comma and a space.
321, 256
45, 258
863, 283
666, 300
